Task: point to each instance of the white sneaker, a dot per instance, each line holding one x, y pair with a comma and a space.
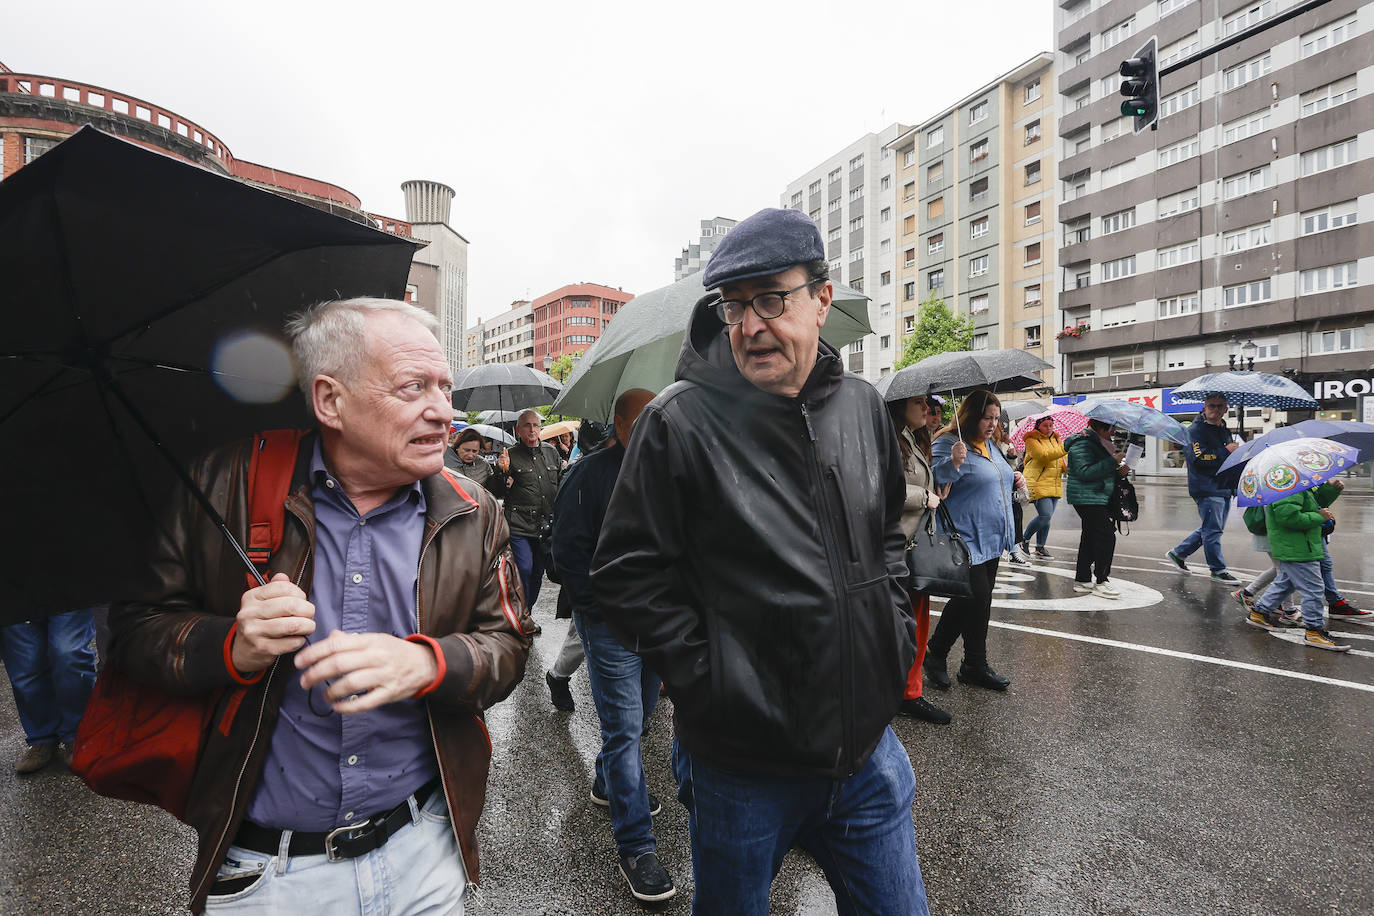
1106, 590
1082, 586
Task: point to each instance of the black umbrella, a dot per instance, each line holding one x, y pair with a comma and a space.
503, 386
964, 371
144, 304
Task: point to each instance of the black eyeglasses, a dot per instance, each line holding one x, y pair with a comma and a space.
766, 305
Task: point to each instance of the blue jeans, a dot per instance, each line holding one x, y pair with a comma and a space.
1040, 525
1307, 579
52, 669
1333, 594
529, 560
859, 830
1214, 511
625, 693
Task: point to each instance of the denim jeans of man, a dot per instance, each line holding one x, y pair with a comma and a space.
1040, 525
1332, 593
418, 871
1306, 578
51, 665
529, 560
859, 829
624, 693
1213, 510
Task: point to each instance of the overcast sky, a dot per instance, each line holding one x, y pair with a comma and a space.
585, 141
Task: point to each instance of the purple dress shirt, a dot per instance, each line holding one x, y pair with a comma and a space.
327, 771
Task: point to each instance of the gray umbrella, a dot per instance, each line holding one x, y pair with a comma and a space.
1016, 411
639, 348
499, 436
964, 371
497, 417
504, 386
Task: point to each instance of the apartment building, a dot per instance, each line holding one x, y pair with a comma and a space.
850, 196
695, 255
570, 319
1242, 226
508, 337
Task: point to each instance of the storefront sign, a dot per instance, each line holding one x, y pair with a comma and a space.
1340, 389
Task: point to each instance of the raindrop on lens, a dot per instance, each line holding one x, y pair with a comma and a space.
253, 367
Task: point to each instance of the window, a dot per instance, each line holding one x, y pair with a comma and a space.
1121, 365
885, 246
1117, 127
936, 208
977, 152
1184, 98
1328, 96
1032, 172
796, 200
1182, 357
1245, 239
1246, 182
1245, 18
856, 193
1082, 279
835, 266
1032, 336
908, 190
1247, 293
1083, 368
1332, 217
1247, 126
814, 187
1165, 7
1119, 315
857, 346
1267, 349
885, 215
1321, 279
1115, 222
1186, 253
1032, 212
935, 173
1336, 341
909, 256
1240, 74
856, 224
1083, 101
909, 290
935, 279
1179, 152
1121, 267
1119, 173
833, 235
935, 243
1032, 132
1324, 158
1180, 305
815, 215
1178, 50
978, 267
1329, 35
1077, 231
978, 112
978, 228
1032, 254
935, 136
36, 146
856, 255
834, 206
1118, 33
834, 176
908, 158
908, 224
857, 162
980, 342
885, 342
885, 278
1033, 299
1174, 204
1031, 92
885, 183
978, 304
978, 190
857, 285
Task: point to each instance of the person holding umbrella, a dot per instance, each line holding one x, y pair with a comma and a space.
1094, 465
528, 473
1209, 444
1044, 472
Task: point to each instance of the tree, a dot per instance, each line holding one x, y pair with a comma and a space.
938, 330
560, 369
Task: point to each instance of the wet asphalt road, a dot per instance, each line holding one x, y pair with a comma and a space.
1170, 760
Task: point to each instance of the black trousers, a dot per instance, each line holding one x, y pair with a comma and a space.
1096, 545
968, 617
1017, 526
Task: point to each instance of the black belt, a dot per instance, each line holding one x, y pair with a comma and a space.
341, 842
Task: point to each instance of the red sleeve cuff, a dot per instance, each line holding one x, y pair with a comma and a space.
229, 660
438, 657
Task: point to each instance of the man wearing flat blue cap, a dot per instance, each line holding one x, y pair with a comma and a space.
752, 554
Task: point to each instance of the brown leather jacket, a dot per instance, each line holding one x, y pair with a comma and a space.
173, 634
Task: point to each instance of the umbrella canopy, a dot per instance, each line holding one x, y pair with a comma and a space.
1359, 436
1135, 418
1067, 421
1291, 467
964, 371
496, 434
1016, 411
1250, 389
144, 302
502, 386
557, 429
639, 348
498, 416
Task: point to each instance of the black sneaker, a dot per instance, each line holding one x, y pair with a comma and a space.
1043, 554
921, 708
1225, 577
1344, 608
936, 672
1177, 561
647, 877
598, 797
558, 692
982, 676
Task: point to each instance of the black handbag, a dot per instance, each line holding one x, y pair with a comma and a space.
937, 559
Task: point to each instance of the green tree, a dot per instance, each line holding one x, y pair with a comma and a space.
938, 330
560, 369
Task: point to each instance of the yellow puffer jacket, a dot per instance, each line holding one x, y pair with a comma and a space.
1044, 465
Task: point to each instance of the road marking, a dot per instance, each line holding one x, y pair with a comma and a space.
1132, 594
1300, 639
1167, 566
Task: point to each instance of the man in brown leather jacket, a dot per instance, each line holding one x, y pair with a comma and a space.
349, 689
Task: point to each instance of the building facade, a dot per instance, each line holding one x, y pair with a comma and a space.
508, 337
850, 196
570, 319
695, 255
1244, 219
427, 209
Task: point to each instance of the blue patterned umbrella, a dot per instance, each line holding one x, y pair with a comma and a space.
1135, 418
1359, 436
1292, 467
1251, 389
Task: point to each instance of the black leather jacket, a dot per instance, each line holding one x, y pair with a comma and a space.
752, 553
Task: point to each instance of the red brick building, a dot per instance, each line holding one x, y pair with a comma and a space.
570, 319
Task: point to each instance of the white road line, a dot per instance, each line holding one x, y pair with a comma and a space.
1164, 567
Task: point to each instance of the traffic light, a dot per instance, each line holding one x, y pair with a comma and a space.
1141, 86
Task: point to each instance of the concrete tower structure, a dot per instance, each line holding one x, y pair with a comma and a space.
427, 210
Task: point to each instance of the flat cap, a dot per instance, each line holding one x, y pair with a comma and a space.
768, 242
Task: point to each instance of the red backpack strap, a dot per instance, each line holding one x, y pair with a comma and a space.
269, 480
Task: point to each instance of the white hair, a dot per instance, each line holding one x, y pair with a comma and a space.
331, 338
527, 412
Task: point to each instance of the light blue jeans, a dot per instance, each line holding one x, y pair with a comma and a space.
1040, 525
418, 871
1213, 510
1307, 579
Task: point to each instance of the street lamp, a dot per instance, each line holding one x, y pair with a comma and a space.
1233, 352
1247, 354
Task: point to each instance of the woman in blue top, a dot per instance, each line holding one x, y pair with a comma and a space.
979, 501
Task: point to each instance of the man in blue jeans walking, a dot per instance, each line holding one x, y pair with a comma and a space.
1209, 444
51, 665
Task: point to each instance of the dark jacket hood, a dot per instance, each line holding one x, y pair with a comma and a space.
706, 359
